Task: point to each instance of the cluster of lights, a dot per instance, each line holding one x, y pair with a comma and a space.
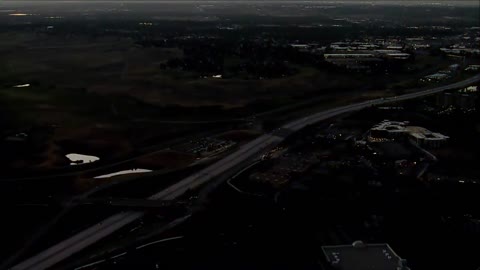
470, 89
446, 111
373, 139
19, 14
451, 109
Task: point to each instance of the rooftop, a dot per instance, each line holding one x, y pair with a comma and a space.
396, 127
436, 76
360, 256
423, 133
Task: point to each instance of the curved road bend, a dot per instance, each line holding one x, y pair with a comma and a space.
255, 148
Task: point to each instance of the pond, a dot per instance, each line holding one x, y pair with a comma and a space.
78, 159
131, 171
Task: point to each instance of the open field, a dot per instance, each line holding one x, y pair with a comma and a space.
170, 88
110, 95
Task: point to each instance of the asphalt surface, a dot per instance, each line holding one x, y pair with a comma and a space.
247, 152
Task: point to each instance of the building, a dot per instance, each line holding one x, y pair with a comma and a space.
348, 55
17, 138
449, 99
397, 56
470, 89
301, 47
424, 137
472, 68
365, 54
454, 67
352, 46
419, 46
388, 129
365, 58
360, 256
465, 99
435, 77
459, 50
393, 130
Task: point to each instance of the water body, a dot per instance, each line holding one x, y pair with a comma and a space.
22, 85
131, 171
78, 159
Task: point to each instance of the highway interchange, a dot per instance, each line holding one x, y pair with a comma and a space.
230, 164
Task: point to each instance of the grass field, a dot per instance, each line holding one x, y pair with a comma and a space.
94, 89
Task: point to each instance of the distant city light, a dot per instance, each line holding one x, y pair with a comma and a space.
19, 14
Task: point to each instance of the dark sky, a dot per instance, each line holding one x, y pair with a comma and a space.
475, 3
330, 1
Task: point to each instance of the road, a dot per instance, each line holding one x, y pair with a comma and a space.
87, 266
229, 164
132, 203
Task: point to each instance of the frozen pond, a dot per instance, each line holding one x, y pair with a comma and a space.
78, 159
131, 171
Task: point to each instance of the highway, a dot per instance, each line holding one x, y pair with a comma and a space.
229, 164
132, 203
86, 266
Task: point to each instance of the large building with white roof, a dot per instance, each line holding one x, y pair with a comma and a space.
393, 130
360, 256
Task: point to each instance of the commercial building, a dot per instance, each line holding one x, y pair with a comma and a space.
418, 46
364, 54
454, 67
465, 99
435, 77
348, 55
472, 68
470, 89
388, 129
398, 56
393, 130
424, 137
360, 256
352, 46
461, 51
364, 60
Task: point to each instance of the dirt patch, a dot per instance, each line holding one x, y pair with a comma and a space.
239, 135
165, 159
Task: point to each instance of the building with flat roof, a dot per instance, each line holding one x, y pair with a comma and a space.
391, 130
398, 56
360, 256
424, 137
348, 55
465, 99
435, 77
472, 68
